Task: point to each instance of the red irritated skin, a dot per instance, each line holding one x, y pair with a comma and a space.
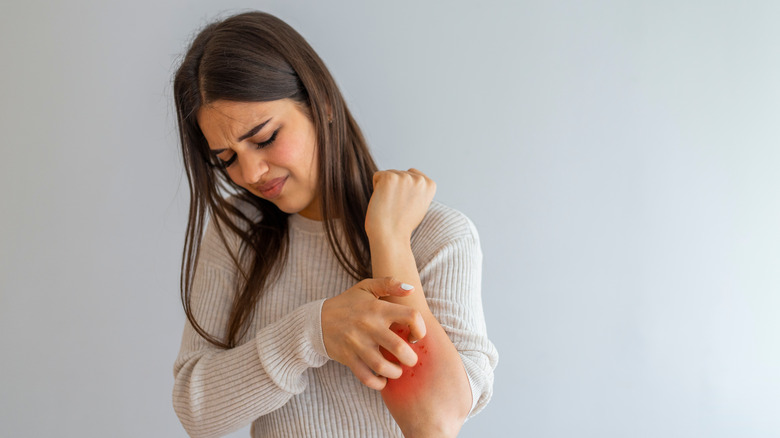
413, 380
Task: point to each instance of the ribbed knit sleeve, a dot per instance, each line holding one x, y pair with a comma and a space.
450, 263
217, 391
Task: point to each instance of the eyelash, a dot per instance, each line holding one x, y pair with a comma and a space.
261, 145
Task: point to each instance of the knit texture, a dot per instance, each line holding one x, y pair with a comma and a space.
280, 378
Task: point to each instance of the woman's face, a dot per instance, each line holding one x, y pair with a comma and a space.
268, 148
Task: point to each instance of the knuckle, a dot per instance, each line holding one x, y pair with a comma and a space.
364, 282
373, 307
351, 340
397, 346
377, 365
363, 322
385, 370
382, 308
366, 379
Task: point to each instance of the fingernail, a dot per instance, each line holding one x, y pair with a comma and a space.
405, 286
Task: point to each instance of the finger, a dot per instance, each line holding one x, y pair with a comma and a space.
395, 345
379, 364
379, 174
417, 331
406, 316
431, 184
366, 376
410, 319
387, 286
420, 176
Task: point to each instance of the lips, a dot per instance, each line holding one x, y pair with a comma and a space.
272, 188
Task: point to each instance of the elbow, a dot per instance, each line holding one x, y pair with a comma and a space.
194, 425
190, 410
480, 368
449, 426
188, 417
435, 426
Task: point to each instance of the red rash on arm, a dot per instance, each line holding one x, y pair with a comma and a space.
413, 380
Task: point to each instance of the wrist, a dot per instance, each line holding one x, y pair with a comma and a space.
389, 244
387, 236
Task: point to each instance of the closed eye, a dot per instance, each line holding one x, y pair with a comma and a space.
261, 145
226, 163
269, 141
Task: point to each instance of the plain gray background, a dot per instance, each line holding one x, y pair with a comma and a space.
620, 159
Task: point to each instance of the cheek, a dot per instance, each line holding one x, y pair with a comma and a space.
298, 156
284, 155
235, 175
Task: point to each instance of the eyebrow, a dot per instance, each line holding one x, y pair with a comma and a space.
248, 134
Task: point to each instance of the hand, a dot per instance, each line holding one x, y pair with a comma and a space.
399, 203
356, 323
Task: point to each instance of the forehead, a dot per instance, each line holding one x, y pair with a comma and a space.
223, 122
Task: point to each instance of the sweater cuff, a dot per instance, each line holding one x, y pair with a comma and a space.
291, 345
315, 329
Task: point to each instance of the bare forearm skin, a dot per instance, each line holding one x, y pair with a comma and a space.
433, 398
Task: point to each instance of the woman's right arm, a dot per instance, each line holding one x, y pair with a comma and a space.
217, 390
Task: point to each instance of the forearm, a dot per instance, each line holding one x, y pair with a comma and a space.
217, 391
432, 398
208, 404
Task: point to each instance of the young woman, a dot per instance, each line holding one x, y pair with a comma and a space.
325, 297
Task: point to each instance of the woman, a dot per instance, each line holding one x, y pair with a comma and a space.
325, 298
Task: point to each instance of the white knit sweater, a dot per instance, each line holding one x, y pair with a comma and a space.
281, 380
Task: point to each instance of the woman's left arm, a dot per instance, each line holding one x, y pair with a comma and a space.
433, 398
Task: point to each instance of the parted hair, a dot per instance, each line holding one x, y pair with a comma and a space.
256, 57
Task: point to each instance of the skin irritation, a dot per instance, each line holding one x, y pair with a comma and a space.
412, 380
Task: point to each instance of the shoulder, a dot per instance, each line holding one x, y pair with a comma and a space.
441, 227
219, 240
443, 223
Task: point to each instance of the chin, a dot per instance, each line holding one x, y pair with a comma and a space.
287, 208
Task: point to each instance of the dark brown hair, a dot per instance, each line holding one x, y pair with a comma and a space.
256, 57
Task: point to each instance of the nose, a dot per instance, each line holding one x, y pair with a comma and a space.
253, 166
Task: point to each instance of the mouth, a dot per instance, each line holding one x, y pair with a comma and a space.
272, 189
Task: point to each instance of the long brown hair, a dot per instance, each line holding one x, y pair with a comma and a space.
256, 57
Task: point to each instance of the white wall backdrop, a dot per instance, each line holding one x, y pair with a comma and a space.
621, 160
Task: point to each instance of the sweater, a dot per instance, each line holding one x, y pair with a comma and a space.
280, 378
